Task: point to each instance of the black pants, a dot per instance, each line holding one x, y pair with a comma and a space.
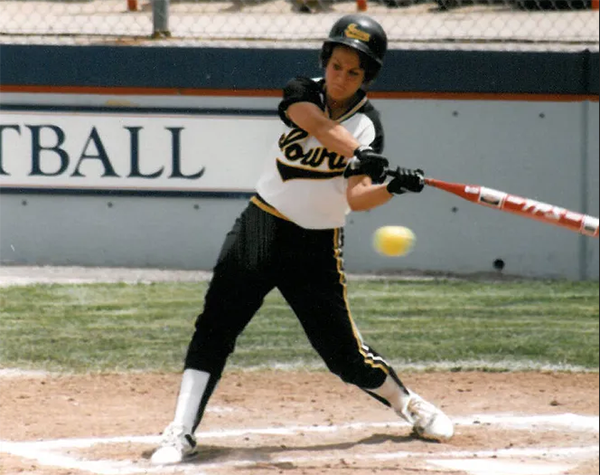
262, 252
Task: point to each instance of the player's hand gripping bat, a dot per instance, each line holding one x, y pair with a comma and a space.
528, 208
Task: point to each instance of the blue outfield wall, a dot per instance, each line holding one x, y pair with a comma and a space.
523, 122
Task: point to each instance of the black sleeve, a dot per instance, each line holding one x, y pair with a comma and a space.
378, 143
373, 114
299, 90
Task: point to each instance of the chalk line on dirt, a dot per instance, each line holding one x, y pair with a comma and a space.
7, 373
49, 453
496, 467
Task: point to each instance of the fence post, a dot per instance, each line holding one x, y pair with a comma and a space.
160, 19
132, 5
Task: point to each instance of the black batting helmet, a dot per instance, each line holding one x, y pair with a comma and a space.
363, 34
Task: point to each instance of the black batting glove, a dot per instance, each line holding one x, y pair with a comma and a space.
369, 163
406, 180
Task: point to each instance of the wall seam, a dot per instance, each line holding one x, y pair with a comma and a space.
585, 111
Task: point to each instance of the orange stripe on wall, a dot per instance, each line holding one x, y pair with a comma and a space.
141, 91
485, 96
138, 91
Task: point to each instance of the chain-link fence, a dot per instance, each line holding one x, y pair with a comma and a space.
487, 24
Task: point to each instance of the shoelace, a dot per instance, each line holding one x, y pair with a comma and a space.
421, 411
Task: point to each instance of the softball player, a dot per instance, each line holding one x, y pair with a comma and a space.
290, 237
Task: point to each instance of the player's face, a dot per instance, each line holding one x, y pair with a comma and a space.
343, 74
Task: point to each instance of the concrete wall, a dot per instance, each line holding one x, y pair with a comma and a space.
590, 185
545, 151
543, 146
503, 145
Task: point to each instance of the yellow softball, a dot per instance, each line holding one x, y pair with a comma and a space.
393, 240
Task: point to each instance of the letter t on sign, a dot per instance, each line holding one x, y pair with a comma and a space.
2, 127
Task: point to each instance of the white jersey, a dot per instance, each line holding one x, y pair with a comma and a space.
304, 181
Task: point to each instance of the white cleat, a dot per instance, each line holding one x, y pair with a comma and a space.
176, 447
428, 421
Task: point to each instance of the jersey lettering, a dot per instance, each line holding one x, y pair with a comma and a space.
313, 158
295, 135
292, 149
289, 172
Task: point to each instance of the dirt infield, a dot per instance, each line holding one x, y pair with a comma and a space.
290, 423
300, 423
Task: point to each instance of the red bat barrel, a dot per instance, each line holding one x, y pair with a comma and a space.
528, 208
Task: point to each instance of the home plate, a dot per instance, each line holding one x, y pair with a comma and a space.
495, 467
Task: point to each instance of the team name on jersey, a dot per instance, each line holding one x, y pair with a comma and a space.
317, 163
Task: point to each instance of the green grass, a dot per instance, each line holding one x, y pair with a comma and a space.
442, 323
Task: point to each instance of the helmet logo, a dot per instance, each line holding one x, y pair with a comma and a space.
357, 34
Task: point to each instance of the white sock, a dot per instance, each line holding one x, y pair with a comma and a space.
193, 387
393, 393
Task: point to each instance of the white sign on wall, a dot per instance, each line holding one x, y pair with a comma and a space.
133, 151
